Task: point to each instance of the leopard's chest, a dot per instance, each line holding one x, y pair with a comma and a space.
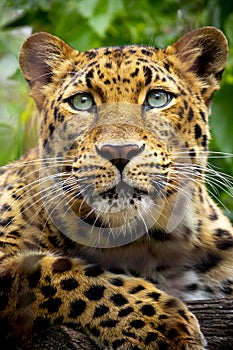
170, 269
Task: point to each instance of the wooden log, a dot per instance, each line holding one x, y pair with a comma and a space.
60, 338
215, 317
216, 320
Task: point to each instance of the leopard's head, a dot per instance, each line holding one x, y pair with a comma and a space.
124, 130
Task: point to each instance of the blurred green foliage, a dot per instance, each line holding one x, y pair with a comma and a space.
92, 23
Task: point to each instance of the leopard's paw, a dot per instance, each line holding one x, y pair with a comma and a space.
147, 319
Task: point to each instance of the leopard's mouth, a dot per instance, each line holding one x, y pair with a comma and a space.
120, 197
123, 191
117, 206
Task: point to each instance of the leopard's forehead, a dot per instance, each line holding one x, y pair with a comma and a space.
114, 58
120, 70
121, 53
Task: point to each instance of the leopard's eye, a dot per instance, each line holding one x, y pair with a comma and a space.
81, 102
158, 98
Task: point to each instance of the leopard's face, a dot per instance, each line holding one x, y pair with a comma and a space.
129, 126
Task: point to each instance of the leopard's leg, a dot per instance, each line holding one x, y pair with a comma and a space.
38, 290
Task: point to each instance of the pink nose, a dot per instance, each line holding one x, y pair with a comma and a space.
119, 155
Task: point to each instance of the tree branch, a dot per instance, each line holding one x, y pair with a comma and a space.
216, 320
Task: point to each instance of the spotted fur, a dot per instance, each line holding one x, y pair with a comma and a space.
108, 224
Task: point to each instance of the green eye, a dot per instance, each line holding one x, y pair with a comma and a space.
158, 98
82, 101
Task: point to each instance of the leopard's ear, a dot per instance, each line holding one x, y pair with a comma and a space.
204, 51
40, 55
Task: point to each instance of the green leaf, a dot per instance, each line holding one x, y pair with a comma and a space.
222, 119
87, 7
104, 14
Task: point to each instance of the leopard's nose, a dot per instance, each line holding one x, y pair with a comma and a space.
120, 155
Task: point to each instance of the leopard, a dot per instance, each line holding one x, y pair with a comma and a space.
107, 224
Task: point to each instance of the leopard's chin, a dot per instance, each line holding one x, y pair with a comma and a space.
122, 206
